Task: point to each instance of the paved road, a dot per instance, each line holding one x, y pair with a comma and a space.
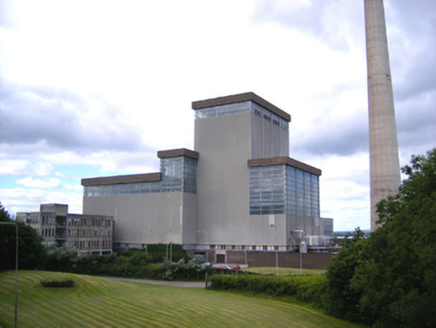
185, 284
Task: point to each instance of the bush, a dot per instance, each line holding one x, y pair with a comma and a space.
191, 270
306, 288
158, 253
57, 282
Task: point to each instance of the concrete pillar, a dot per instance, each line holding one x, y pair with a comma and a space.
383, 144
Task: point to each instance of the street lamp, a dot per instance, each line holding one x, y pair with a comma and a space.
145, 233
16, 269
277, 251
170, 246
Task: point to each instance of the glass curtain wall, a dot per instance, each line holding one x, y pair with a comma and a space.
178, 174
283, 189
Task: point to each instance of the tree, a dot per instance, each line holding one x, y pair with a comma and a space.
30, 249
339, 299
393, 274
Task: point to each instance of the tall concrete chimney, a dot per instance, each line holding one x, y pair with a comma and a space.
383, 144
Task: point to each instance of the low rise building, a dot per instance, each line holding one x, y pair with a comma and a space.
86, 233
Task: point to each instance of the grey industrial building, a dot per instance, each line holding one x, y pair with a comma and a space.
85, 233
238, 190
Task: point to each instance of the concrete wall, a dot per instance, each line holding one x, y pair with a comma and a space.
148, 218
311, 226
269, 140
59, 209
224, 144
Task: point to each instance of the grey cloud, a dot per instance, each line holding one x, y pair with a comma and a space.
329, 21
419, 78
5, 19
416, 18
340, 138
411, 46
307, 17
416, 121
33, 114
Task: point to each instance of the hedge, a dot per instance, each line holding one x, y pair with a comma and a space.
306, 288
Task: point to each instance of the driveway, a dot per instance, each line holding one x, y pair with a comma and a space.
185, 284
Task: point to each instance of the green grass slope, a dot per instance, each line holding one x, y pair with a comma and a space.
97, 302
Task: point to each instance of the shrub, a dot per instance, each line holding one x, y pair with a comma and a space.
57, 282
191, 270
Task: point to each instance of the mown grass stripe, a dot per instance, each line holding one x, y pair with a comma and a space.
96, 302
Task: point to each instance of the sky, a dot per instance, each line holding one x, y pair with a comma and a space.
92, 88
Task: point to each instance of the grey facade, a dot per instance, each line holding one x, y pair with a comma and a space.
237, 190
85, 233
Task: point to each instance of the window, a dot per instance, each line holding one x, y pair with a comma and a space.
283, 189
223, 110
178, 174
267, 190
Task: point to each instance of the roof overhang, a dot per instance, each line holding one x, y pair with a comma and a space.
248, 96
286, 161
120, 179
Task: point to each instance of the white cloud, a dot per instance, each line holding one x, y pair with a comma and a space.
28, 199
22, 167
48, 183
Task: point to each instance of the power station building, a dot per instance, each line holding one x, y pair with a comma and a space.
238, 190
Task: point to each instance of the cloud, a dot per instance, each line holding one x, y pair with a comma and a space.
21, 167
48, 183
332, 22
62, 120
29, 199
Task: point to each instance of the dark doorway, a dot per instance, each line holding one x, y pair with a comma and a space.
220, 258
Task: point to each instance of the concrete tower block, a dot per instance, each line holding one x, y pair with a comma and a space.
383, 144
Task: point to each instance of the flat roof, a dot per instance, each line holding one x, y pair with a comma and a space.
248, 96
120, 179
284, 160
136, 178
178, 152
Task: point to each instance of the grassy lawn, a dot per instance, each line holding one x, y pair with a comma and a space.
97, 302
283, 271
